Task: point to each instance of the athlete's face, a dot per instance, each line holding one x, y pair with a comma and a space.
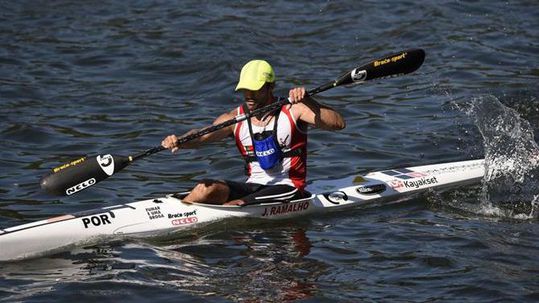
257, 98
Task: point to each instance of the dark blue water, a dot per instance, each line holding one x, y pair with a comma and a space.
90, 77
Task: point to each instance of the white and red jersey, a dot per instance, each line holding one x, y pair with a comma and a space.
291, 135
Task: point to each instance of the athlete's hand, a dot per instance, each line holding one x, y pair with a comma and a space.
296, 95
170, 142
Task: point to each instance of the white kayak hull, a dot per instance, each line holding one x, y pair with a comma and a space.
169, 214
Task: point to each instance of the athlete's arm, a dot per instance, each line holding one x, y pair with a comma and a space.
170, 141
310, 111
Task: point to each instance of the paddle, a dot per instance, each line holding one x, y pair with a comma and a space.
80, 174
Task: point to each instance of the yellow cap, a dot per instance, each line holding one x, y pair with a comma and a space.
254, 74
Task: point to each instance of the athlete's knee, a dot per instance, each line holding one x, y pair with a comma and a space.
210, 188
203, 188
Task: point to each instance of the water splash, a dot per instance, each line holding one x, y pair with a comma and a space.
511, 183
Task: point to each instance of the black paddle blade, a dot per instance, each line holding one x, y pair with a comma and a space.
396, 64
80, 174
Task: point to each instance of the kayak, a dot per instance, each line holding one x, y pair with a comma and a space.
169, 214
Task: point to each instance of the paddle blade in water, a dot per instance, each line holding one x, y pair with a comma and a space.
80, 174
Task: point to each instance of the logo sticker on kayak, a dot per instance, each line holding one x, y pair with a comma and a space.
285, 208
107, 164
154, 212
186, 214
404, 173
396, 184
184, 221
97, 220
336, 197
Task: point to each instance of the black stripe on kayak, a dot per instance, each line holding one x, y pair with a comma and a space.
45, 223
78, 215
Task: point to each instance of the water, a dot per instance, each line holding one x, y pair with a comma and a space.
85, 78
512, 158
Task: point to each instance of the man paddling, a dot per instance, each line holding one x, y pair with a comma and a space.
274, 145
279, 157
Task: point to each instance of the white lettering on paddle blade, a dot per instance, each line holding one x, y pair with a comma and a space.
80, 186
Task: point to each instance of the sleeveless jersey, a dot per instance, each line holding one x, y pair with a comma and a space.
292, 170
